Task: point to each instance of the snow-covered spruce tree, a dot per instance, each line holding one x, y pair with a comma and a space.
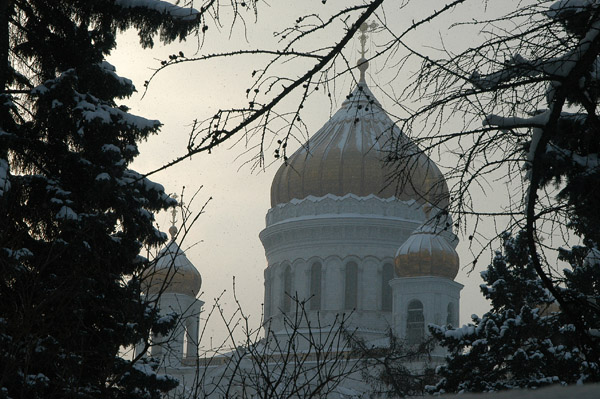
73, 216
524, 341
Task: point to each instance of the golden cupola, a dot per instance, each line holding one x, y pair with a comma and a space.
173, 272
351, 154
426, 253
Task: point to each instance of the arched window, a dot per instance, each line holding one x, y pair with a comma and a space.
191, 336
287, 289
450, 317
386, 291
186, 339
415, 323
315, 286
351, 286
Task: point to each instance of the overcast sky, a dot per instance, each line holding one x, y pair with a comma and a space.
224, 242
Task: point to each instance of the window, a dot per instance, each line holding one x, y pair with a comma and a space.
351, 286
186, 339
315, 286
415, 323
287, 289
450, 317
386, 291
190, 341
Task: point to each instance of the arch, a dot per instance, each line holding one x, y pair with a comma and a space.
315, 286
351, 286
186, 341
387, 273
287, 288
415, 323
192, 324
450, 314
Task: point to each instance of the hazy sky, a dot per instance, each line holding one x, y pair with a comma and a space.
224, 242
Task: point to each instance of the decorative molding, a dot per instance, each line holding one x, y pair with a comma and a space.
342, 237
370, 220
332, 205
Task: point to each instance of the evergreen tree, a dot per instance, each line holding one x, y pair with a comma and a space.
525, 341
73, 216
544, 325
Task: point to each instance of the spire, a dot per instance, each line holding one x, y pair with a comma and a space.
363, 63
173, 229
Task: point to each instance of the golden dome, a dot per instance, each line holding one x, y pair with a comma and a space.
173, 273
348, 154
426, 253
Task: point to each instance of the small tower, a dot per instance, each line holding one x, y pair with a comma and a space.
175, 282
424, 290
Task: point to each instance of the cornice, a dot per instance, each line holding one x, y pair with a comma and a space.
324, 236
347, 206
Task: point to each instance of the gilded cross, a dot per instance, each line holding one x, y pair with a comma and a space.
174, 211
362, 62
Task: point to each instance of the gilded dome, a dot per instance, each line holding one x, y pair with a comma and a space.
349, 153
173, 273
426, 253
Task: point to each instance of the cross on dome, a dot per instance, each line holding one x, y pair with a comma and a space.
173, 229
363, 63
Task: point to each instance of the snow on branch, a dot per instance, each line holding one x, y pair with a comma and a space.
110, 69
590, 161
67, 213
175, 11
555, 68
561, 7
93, 109
538, 120
133, 177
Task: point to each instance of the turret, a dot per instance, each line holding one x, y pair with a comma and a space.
175, 283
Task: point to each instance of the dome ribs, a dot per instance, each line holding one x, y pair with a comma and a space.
347, 155
351, 165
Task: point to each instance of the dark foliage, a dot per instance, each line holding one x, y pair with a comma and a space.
74, 217
525, 341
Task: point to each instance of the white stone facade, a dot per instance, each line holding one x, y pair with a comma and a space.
181, 346
329, 233
438, 298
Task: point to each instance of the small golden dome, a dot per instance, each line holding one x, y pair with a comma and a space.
172, 273
426, 253
348, 154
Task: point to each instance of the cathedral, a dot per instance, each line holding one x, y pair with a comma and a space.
357, 231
